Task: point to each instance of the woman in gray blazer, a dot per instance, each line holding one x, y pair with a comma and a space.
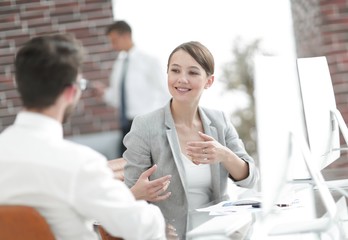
197, 148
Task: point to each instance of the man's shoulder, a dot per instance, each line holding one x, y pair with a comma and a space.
80, 151
141, 53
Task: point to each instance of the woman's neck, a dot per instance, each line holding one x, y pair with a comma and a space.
185, 114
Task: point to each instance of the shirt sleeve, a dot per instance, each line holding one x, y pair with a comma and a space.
98, 196
138, 153
112, 95
159, 81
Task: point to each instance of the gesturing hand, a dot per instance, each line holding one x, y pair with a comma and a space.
152, 191
207, 151
117, 167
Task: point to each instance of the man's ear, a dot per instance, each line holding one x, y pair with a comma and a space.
70, 93
209, 82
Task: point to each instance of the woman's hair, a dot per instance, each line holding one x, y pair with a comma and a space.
198, 52
45, 66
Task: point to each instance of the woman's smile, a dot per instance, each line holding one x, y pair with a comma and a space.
182, 89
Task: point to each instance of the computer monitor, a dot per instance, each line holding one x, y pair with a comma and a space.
283, 148
279, 116
319, 109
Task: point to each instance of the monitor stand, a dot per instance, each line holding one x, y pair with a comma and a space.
316, 225
340, 183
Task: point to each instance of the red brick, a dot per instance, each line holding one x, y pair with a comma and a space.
26, 2
9, 10
97, 1
5, 3
15, 33
66, 9
6, 60
6, 26
333, 2
10, 94
34, 7
27, 15
6, 85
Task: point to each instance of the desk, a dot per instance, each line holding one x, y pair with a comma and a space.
304, 210
260, 226
233, 226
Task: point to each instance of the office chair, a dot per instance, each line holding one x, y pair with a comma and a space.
104, 235
23, 223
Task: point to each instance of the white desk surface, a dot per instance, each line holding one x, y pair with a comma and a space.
304, 209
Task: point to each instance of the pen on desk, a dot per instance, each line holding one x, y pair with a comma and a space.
228, 204
282, 205
253, 204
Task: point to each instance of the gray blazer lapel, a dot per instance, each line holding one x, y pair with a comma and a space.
214, 168
174, 144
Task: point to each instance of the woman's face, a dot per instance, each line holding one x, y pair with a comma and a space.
186, 78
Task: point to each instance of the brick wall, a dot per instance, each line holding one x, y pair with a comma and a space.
86, 19
306, 21
321, 29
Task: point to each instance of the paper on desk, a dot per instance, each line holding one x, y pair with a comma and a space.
219, 209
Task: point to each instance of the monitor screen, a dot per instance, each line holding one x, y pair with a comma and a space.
279, 116
319, 103
283, 143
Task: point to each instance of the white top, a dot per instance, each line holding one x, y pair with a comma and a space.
199, 183
146, 85
69, 184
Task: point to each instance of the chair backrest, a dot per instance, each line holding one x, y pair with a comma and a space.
23, 223
105, 235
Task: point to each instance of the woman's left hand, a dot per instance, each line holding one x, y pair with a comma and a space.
207, 151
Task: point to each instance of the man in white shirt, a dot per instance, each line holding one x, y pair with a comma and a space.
145, 85
69, 184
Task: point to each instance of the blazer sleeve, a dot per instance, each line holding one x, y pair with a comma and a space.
138, 153
234, 143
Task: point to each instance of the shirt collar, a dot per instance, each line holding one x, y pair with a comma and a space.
129, 53
39, 122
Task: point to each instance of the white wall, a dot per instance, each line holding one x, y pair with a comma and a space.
159, 26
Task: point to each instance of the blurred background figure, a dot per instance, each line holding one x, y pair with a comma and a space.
137, 81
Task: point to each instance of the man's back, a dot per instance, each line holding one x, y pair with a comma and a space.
69, 184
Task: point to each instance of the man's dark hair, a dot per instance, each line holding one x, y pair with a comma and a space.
45, 66
119, 26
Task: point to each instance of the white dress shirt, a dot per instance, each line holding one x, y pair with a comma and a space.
69, 184
146, 85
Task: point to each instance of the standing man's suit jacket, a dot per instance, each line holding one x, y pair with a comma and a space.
153, 140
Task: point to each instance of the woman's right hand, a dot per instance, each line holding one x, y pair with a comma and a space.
151, 191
